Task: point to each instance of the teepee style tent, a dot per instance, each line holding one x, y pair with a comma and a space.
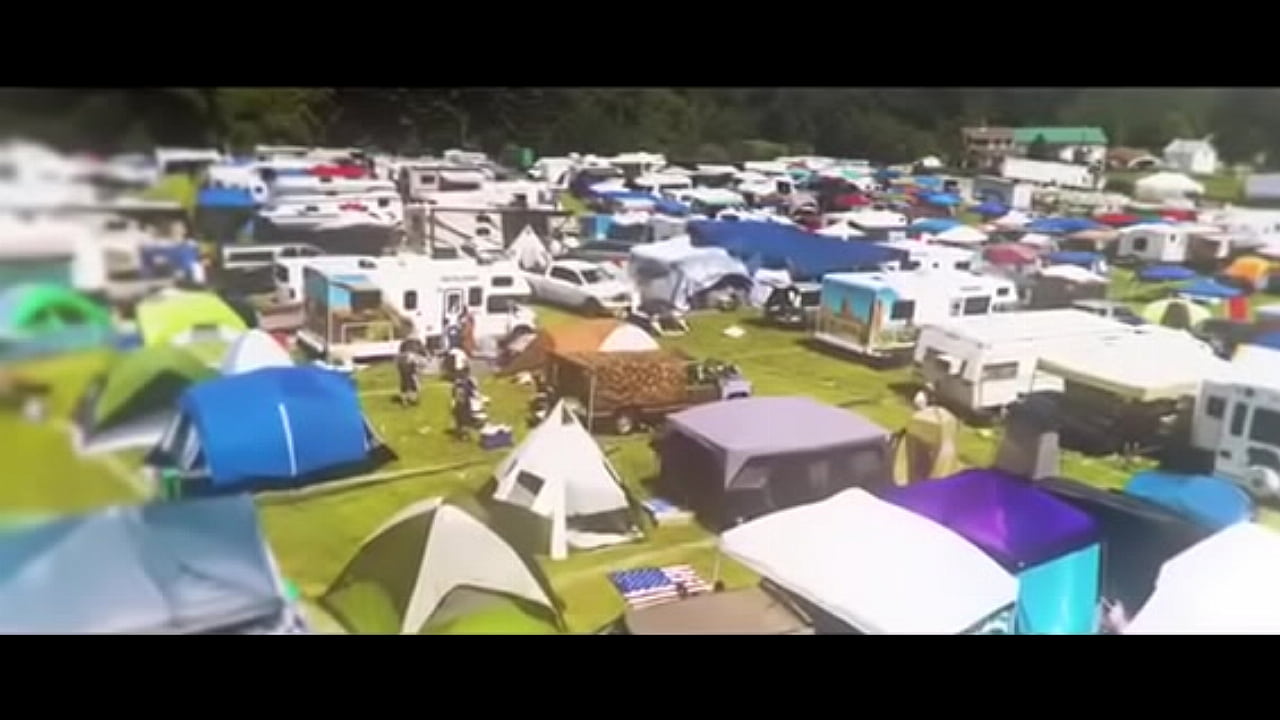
254, 350
560, 475
433, 564
136, 399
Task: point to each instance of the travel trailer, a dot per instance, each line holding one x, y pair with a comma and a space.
880, 314
369, 222
1237, 422
424, 181
287, 272
1153, 242
1046, 172
916, 255
662, 183
982, 364
1007, 192
364, 315
879, 225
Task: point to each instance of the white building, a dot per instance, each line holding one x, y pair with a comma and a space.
1197, 157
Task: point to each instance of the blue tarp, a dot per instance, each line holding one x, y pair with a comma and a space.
178, 567
670, 207
276, 424
1086, 260
1209, 288
1165, 273
225, 199
991, 209
927, 181
1211, 502
933, 225
1062, 225
942, 199
1267, 340
805, 255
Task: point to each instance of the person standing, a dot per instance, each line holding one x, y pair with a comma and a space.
410, 363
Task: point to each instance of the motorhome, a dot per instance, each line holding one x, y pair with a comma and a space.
981, 364
635, 164
1236, 422
1007, 192
916, 255
661, 183
365, 314
370, 222
287, 273
880, 314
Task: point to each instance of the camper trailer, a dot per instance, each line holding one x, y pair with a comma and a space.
1007, 192
982, 364
916, 255
878, 225
365, 314
1237, 421
1046, 172
287, 272
1166, 243
880, 314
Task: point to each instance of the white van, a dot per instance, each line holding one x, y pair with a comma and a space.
254, 257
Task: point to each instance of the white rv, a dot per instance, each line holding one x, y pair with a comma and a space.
880, 225
1153, 242
1007, 192
287, 272
364, 315
662, 183
1237, 421
982, 364
1047, 172
916, 255
880, 314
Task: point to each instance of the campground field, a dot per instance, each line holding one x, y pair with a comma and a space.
316, 531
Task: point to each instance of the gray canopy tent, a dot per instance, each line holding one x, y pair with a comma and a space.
734, 460
199, 566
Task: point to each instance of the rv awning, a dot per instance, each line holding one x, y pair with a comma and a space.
1145, 367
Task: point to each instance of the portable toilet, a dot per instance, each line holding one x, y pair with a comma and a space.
1053, 548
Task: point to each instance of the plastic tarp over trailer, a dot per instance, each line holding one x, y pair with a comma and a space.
805, 255
676, 271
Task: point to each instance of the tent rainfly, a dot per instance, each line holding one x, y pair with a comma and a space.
594, 335
169, 568
136, 399
560, 475
433, 564
254, 350
185, 317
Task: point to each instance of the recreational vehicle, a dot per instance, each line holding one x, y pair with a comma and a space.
880, 314
364, 315
662, 183
1047, 172
982, 364
916, 255
1237, 423
287, 272
1007, 192
1153, 242
879, 225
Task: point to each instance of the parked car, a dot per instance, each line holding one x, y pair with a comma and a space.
581, 285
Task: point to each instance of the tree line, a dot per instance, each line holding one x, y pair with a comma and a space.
702, 124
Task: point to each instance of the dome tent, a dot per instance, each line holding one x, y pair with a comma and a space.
1166, 186
254, 350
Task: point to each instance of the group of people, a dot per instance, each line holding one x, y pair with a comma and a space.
414, 359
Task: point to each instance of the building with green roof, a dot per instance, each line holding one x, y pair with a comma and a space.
1081, 145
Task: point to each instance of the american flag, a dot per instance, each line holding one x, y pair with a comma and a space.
643, 587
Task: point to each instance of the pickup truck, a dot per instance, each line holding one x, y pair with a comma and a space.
580, 285
629, 389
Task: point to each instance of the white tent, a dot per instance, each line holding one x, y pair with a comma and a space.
528, 251
876, 566
1166, 186
1013, 220
254, 350
560, 474
1226, 584
961, 235
1072, 273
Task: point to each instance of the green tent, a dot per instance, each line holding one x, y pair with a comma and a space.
33, 309
185, 317
437, 568
144, 381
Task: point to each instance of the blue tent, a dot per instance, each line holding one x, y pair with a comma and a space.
928, 181
1062, 225
1267, 340
1165, 273
991, 208
1209, 288
805, 255
942, 199
180, 567
933, 225
671, 207
1086, 260
1213, 503
276, 426
225, 199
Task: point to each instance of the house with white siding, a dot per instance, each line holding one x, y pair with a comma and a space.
1197, 157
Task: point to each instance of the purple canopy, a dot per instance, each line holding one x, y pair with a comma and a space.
1017, 524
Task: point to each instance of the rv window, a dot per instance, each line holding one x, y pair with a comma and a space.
1237, 419
1001, 292
365, 300
903, 310
977, 305
964, 266
910, 265
475, 296
502, 303
282, 274
426, 178
1216, 407
1000, 371
1266, 427
1139, 244
411, 300
501, 281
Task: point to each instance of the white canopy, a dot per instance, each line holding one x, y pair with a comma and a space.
1072, 273
254, 350
874, 565
1164, 186
1012, 220
1228, 583
961, 235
